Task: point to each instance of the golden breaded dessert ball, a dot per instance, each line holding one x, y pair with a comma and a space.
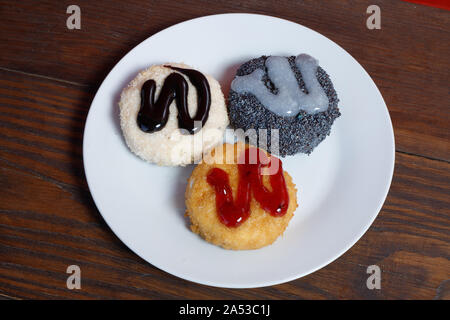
258, 230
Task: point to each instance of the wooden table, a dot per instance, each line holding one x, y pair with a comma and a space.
49, 75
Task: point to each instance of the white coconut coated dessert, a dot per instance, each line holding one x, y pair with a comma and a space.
170, 145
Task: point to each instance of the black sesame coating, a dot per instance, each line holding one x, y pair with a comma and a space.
300, 133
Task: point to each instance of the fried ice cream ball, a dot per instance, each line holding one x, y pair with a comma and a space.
258, 230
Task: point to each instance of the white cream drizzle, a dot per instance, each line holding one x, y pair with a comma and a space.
290, 99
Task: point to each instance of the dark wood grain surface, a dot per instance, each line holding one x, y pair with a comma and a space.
49, 75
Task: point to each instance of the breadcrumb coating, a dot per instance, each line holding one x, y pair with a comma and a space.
259, 230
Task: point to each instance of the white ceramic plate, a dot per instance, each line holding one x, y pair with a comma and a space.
342, 184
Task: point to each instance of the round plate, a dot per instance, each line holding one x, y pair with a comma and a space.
341, 185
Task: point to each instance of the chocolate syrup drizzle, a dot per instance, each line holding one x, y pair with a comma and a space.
153, 115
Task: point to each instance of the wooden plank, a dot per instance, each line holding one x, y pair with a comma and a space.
407, 58
41, 127
48, 220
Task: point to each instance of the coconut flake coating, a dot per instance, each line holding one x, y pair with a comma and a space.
170, 146
301, 133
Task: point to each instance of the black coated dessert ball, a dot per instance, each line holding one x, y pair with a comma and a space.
301, 133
